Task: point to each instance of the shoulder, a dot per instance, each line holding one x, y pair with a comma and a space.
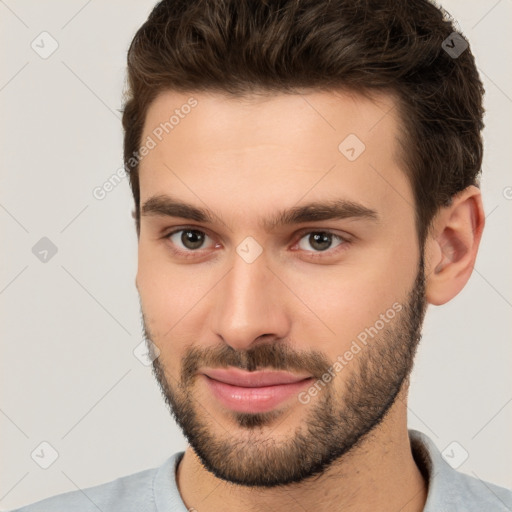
128, 493
449, 489
476, 494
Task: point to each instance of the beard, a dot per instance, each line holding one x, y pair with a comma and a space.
336, 421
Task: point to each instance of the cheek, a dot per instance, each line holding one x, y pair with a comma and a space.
342, 307
164, 288
348, 300
162, 308
173, 301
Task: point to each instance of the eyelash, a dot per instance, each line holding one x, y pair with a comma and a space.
344, 242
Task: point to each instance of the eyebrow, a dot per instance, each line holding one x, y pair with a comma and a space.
167, 206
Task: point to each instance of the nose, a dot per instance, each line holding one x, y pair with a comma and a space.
250, 304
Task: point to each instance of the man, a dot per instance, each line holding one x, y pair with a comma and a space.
305, 176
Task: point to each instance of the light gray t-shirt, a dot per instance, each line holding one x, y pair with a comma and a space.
155, 490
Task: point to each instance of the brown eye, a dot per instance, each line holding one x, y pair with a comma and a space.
190, 239
319, 241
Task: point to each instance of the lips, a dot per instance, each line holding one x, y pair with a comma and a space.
253, 392
263, 378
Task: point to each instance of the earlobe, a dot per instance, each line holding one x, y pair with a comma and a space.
452, 247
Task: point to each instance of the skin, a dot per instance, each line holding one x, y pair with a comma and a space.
244, 159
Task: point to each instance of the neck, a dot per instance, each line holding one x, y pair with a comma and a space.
379, 474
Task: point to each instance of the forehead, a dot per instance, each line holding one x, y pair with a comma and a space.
274, 117
260, 151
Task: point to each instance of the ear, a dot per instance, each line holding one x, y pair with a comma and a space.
452, 245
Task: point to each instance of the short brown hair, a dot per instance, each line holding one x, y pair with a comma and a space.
238, 47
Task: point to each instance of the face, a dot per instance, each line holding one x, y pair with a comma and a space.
277, 234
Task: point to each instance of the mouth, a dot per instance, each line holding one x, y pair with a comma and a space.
253, 392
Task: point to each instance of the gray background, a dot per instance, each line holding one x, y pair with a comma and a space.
69, 325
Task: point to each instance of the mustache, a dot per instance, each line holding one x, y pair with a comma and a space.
275, 356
